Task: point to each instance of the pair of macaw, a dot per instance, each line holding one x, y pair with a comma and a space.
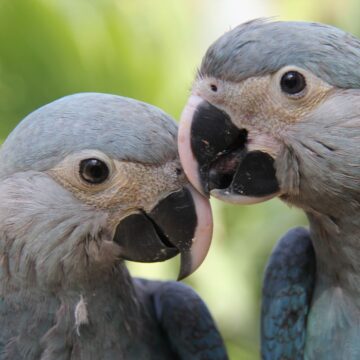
92, 179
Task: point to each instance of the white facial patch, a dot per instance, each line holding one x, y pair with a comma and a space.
81, 315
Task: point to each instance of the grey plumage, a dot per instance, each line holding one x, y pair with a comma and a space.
260, 47
293, 89
65, 292
321, 148
35, 144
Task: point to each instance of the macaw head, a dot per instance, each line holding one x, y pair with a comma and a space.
275, 111
92, 179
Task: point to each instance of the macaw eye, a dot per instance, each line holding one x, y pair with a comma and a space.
292, 82
94, 171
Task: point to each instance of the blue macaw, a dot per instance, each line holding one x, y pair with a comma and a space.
86, 182
275, 111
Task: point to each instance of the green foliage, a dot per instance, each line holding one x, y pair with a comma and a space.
49, 49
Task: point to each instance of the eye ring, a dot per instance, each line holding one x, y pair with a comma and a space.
94, 171
292, 83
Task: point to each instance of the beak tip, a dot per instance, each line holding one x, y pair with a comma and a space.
181, 276
185, 265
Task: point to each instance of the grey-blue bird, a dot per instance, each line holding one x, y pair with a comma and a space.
275, 111
86, 182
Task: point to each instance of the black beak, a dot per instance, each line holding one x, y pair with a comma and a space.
180, 223
215, 156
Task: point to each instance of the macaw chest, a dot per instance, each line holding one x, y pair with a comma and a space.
93, 326
333, 325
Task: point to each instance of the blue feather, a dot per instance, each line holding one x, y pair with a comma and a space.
185, 321
287, 292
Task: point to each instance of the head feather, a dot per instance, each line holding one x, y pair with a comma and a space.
261, 47
124, 129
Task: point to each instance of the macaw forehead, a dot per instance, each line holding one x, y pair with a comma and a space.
261, 47
122, 128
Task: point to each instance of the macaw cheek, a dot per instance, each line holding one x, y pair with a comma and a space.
180, 223
217, 160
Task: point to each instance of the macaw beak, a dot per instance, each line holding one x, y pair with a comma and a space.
180, 223
216, 157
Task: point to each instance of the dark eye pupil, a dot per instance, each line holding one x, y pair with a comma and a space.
292, 82
94, 171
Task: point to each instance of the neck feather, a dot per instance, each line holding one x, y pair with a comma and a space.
337, 248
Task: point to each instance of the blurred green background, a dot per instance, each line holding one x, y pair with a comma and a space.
150, 50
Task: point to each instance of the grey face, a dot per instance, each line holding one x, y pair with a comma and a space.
113, 161
273, 111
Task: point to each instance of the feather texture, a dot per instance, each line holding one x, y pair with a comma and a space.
287, 292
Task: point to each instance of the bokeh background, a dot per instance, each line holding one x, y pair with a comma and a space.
150, 50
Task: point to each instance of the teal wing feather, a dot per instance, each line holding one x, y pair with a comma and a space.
287, 292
